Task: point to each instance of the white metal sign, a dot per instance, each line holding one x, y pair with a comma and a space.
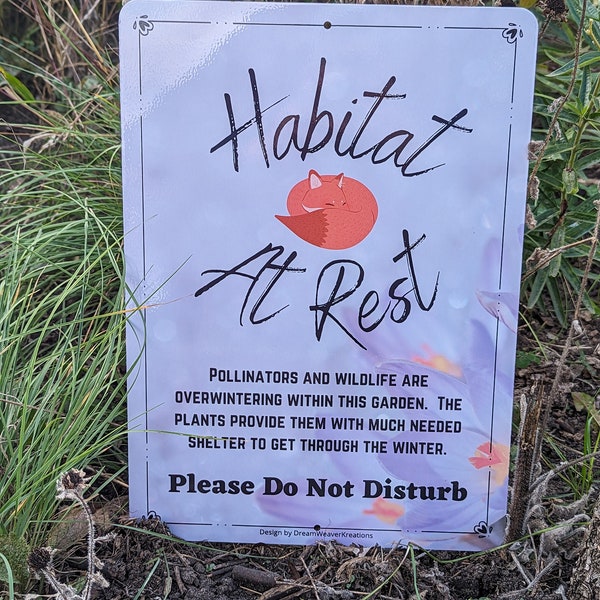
324, 220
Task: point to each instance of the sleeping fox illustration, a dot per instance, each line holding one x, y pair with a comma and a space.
330, 211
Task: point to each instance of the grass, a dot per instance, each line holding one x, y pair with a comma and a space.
8, 576
62, 296
62, 380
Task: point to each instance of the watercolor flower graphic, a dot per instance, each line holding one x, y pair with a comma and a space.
445, 441
437, 361
385, 510
496, 457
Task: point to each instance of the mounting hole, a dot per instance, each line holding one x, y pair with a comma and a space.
327, 24
317, 528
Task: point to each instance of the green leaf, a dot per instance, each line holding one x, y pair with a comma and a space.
582, 401
585, 87
555, 264
585, 60
526, 359
539, 283
590, 160
569, 181
17, 86
558, 301
558, 241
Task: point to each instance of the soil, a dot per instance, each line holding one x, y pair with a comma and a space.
140, 555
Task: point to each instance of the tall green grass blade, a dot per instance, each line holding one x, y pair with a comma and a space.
9, 576
17, 86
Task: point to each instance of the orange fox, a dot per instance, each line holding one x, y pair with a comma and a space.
333, 212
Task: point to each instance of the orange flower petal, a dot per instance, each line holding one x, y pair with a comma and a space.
496, 459
438, 362
386, 511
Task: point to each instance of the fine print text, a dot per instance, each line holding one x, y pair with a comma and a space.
371, 404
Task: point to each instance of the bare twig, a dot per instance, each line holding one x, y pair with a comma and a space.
262, 579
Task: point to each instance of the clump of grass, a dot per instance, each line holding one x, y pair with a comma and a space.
62, 322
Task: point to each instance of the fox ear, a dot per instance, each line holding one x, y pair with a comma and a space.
340, 179
314, 180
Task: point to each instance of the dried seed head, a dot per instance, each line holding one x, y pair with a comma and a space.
554, 9
530, 220
533, 188
558, 134
538, 257
71, 484
98, 579
73, 479
534, 148
553, 106
39, 559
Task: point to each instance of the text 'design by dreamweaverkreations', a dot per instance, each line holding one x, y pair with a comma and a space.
323, 231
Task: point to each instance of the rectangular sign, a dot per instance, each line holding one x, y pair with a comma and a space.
324, 221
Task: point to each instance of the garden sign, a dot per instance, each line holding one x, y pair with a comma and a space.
324, 212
